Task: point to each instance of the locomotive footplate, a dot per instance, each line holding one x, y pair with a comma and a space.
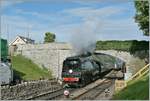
71, 84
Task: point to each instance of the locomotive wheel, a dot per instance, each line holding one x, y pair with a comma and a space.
93, 77
83, 82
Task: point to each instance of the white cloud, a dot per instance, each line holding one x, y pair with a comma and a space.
6, 3
96, 21
17, 25
35, 14
55, 19
99, 2
87, 12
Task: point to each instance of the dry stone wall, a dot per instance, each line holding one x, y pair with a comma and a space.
28, 90
50, 56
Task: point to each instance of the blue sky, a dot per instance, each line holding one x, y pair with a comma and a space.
68, 19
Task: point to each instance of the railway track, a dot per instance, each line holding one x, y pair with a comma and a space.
62, 97
91, 94
48, 95
55, 95
93, 90
111, 74
88, 93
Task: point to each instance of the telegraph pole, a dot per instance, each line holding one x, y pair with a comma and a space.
28, 31
7, 30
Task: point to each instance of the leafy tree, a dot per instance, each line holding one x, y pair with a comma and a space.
49, 37
142, 15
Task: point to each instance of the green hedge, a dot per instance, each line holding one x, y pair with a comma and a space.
130, 45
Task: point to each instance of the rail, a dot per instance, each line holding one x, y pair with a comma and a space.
93, 92
49, 95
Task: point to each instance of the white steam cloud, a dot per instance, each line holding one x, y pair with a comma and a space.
84, 38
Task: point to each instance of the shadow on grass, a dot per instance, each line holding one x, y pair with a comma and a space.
17, 75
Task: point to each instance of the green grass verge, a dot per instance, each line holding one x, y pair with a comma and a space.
136, 90
25, 69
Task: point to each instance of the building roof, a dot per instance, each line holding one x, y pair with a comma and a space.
25, 39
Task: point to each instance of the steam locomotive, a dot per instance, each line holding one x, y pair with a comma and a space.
80, 70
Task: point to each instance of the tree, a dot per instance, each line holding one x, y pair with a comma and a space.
142, 15
49, 37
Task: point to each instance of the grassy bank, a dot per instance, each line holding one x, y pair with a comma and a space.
136, 90
25, 69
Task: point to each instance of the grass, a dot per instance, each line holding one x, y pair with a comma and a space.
25, 69
136, 90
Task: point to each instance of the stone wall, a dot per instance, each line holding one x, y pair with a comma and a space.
28, 90
50, 56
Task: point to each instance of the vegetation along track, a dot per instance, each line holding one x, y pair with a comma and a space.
94, 92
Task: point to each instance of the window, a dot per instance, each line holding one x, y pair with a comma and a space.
70, 64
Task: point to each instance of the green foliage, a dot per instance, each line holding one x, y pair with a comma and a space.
136, 90
131, 45
49, 37
27, 70
142, 15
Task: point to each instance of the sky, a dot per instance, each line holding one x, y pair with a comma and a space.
104, 19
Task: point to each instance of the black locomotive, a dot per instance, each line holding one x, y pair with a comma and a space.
80, 70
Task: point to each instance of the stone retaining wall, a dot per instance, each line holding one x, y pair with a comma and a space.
28, 90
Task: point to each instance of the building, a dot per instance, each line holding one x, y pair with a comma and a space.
21, 40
